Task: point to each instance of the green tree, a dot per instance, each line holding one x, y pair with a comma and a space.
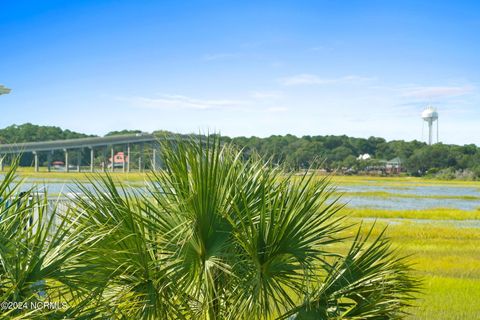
31, 133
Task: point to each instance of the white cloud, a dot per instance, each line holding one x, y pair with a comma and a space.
256, 101
182, 102
311, 79
438, 92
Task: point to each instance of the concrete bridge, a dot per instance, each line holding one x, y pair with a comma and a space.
93, 144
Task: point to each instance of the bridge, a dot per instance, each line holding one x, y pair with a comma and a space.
93, 144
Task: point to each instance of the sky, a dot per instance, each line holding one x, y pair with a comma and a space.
242, 68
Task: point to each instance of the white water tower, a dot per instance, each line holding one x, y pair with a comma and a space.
430, 115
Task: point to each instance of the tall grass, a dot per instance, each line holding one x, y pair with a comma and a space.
385, 194
447, 259
432, 214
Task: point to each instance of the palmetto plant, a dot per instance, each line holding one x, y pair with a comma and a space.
214, 236
39, 260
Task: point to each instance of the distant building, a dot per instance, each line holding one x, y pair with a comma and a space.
118, 160
57, 165
382, 167
393, 166
364, 156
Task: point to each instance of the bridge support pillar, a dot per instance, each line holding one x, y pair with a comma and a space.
128, 158
49, 161
154, 158
91, 159
35, 156
123, 161
79, 159
112, 160
104, 161
140, 159
67, 169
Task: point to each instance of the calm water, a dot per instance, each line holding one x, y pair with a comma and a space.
390, 203
395, 203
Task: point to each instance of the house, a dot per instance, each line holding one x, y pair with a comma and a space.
393, 166
364, 156
119, 159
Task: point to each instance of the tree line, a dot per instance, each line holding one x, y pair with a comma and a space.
341, 152
296, 153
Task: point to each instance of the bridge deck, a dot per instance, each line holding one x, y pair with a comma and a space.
75, 143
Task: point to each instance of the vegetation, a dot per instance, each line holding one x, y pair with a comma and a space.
447, 259
32, 133
401, 182
214, 237
335, 152
390, 195
430, 214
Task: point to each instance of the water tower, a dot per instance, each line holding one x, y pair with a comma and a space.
430, 115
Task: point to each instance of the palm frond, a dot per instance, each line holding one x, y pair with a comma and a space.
372, 281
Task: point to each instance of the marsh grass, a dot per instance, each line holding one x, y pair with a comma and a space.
391, 182
62, 177
447, 259
388, 195
449, 298
401, 182
58, 176
433, 214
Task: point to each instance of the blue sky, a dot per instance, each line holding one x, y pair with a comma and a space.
359, 68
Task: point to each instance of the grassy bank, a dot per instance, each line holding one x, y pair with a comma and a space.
79, 176
384, 194
446, 257
399, 182
448, 261
433, 214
